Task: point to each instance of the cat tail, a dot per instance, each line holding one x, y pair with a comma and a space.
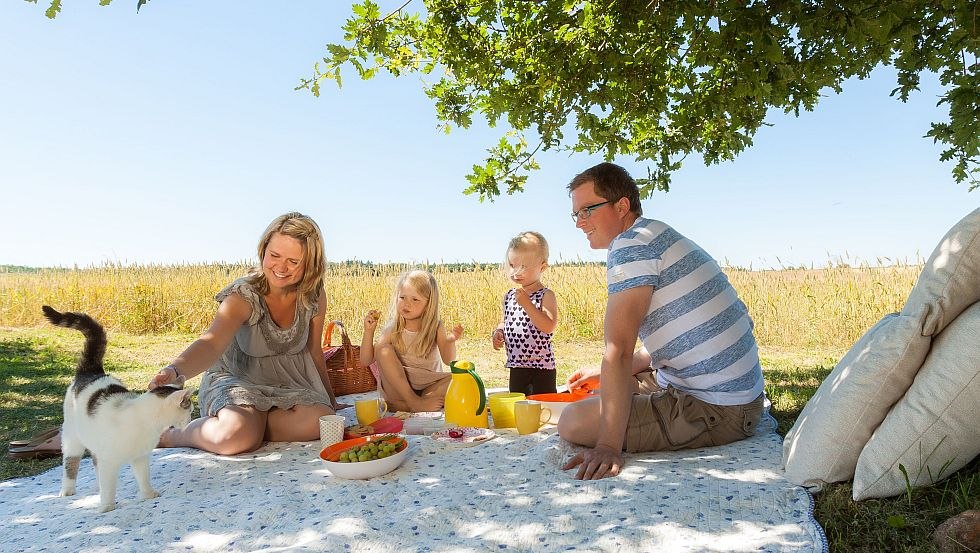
95, 338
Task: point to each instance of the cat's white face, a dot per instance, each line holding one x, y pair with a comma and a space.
177, 408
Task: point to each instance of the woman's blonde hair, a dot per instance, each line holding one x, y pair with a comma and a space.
528, 241
425, 285
305, 230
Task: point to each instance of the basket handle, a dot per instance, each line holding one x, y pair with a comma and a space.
328, 334
344, 338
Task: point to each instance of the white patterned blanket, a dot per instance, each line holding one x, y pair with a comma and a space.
506, 494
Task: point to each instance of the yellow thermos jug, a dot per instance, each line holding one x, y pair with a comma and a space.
466, 398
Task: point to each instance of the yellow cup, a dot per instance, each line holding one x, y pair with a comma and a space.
530, 416
502, 408
369, 410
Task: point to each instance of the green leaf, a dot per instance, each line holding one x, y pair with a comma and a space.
896, 521
656, 81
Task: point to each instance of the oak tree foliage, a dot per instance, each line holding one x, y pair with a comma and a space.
655, 80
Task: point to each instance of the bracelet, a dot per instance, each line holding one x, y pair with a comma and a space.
174, 367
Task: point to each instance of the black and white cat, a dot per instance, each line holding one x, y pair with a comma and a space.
115, 425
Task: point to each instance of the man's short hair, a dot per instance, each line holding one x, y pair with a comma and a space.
611, 182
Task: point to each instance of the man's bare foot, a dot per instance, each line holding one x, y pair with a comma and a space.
166, 438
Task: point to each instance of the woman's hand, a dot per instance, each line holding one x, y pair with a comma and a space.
167, 375
585, 379
497, 338
371, 321
456, 333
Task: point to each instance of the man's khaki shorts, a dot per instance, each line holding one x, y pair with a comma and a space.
668, 420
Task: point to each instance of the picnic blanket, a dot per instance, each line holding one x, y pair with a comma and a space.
508, 493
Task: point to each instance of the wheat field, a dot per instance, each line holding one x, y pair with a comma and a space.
791, 308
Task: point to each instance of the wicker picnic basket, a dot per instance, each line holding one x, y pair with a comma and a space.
345, 372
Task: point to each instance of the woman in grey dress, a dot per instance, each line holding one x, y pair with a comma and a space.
261, 357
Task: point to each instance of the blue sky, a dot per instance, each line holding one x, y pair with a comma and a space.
175, 136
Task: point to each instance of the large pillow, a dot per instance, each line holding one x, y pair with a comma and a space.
824, 444
950, 280
935, 429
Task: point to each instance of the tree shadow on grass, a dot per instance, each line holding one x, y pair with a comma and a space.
789, 389
33, 379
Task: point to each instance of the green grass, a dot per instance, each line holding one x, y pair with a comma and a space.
36, 365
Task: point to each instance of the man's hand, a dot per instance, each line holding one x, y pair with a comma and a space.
584, 379
597, 463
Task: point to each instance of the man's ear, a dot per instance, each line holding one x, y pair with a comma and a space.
622, 206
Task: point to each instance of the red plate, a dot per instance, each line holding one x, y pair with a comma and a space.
387, 425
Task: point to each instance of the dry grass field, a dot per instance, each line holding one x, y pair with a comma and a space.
792, 308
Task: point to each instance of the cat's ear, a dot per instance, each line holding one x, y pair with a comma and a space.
183, 397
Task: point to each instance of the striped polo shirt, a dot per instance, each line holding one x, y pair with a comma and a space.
697, 331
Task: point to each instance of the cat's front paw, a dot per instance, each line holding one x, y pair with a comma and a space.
107, 508
150, 494
66, 491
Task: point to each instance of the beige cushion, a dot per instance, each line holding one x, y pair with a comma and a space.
824, 444
935, 429
950, 280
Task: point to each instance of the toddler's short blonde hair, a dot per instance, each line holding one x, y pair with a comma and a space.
529, 241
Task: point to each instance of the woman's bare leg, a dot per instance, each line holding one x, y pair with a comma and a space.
298, 424
235, 429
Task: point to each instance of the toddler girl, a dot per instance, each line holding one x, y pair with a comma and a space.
413, 347
530, 317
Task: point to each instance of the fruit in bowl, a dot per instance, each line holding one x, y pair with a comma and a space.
557, 402
366, 457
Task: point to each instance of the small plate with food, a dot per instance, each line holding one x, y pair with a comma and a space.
463, 435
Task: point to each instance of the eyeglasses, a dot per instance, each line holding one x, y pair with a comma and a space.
586, 211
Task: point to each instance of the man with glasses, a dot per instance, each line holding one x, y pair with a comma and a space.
696, 381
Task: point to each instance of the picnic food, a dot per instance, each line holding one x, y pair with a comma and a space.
387, 458
387, 425
377, 449
463, 435
359, 430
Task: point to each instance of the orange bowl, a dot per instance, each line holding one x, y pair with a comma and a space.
563, 397
363, 469
332, 452
556, 402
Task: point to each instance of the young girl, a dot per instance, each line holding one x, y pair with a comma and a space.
530, 317
413, 347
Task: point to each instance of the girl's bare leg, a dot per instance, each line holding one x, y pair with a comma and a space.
298, 424
437, 392
398, 392
235, 429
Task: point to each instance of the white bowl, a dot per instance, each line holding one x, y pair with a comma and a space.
364, 469
556, 407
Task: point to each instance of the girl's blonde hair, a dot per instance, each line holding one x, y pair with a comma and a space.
425, 285
528, 241
305, 230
